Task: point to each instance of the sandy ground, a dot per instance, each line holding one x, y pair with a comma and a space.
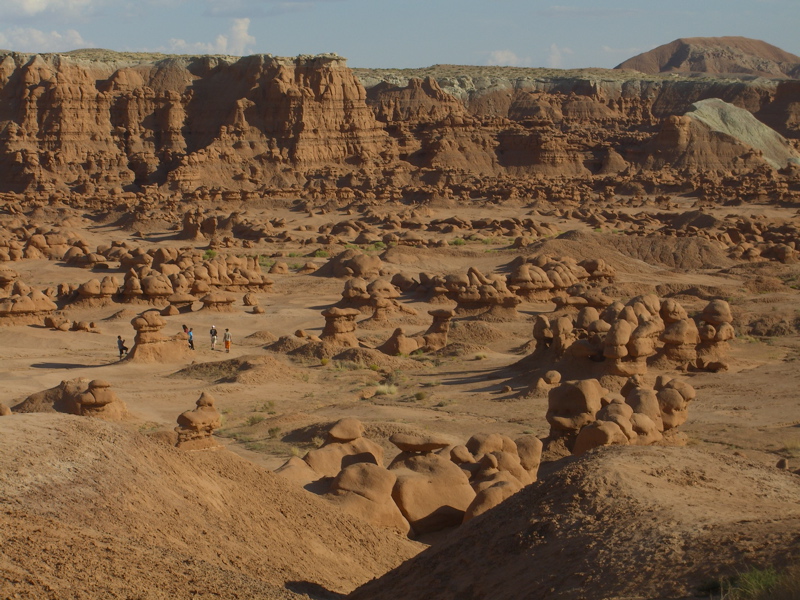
282, 408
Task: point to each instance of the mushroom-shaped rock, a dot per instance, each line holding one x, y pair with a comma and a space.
150, 345
195, 427
645, 401
99, 400
340, 327
572, 405
219, 302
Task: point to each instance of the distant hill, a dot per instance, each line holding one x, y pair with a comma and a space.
717, 55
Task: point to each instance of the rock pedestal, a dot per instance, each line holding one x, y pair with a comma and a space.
196, 427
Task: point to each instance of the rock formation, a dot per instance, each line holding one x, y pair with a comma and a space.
150, 345
80, 396
196, 426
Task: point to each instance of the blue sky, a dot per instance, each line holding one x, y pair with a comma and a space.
396, 33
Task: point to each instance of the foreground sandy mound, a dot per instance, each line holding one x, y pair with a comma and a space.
638, 522
91, 510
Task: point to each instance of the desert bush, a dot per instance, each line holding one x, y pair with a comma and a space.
253, 420
386, 389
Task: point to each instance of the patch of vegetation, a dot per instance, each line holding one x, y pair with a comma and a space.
431, 383
295, 254
347, 365
209, 254
420, 396
265, 262
758, 584
458, 242
481, 356
273, 432
386, 389
149, 427
253, 420
267, 407
321, 253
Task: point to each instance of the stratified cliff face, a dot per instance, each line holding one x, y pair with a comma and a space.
312, 127
184, 122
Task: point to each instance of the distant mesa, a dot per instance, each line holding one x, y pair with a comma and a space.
719, 56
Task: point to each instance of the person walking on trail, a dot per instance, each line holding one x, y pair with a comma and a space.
123, 349
191, 339
213, 333
227, 339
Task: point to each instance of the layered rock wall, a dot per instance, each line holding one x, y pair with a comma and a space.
310, 126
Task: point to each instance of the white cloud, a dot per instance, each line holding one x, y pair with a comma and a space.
27, 39
37, 7
236, 42
507, 58
555, 56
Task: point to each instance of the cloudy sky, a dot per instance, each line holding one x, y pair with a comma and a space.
396, 33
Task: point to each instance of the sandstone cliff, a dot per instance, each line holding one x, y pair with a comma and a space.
98, 123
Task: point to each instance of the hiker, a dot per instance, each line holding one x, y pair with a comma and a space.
123, 349
227, 339
213, 333
185, 329
191, 339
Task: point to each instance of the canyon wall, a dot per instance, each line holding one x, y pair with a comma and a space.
311, 127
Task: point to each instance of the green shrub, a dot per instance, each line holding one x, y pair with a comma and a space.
458, 242
321, 253
209, 254
254, 420
273, 432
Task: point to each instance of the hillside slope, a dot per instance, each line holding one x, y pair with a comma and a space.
632, 522
717, 55
91, 510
